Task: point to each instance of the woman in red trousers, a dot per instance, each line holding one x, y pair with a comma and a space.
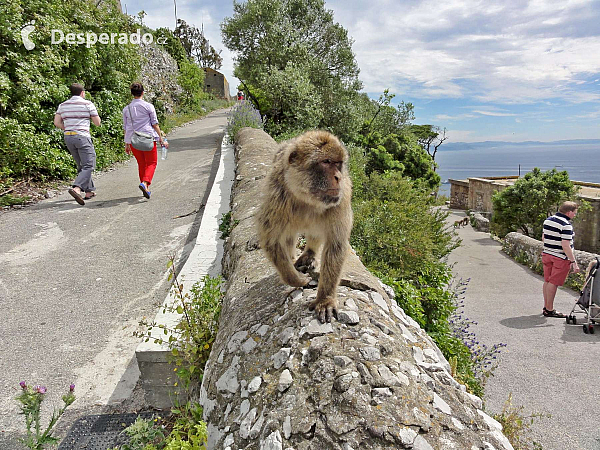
140, 115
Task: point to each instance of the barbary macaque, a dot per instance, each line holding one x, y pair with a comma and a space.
308, 191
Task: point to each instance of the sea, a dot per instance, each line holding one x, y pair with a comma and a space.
581, 161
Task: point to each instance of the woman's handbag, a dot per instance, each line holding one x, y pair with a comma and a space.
140, 140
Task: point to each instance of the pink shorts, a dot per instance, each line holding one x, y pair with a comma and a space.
555, 269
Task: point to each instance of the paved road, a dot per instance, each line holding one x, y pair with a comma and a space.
549, 366
75, 281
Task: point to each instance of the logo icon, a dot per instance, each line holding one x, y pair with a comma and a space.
25, 32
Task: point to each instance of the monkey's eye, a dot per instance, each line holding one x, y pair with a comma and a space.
327, 161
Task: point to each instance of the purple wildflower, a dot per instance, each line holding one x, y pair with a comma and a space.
23, 385
71, 387
39, 389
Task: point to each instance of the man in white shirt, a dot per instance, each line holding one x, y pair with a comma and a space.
73, 116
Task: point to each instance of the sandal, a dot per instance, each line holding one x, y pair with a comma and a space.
553, 313
89, 195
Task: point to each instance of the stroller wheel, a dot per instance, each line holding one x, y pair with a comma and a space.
591, 328
568, 319
574, 320
585, 329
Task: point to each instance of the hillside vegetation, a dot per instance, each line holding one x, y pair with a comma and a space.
34, 82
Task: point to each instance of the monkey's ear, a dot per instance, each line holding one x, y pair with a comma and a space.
293, 157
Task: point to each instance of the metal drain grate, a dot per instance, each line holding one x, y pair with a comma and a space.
100, 432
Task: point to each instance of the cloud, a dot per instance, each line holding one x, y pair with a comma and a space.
493, 113
478, 68
457, 49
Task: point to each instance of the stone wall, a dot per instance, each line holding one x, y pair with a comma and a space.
278, 379
479, 222
159, 77
459, 194
528, 251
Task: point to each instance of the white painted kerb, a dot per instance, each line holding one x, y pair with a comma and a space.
204, 259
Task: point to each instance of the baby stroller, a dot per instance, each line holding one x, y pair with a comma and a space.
589, 300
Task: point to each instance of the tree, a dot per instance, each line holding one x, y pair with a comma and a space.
267, 35
526, 204
191, 80
197, 47
141, 16
401, 153
428, 136
387, 119
171, 43
293, 104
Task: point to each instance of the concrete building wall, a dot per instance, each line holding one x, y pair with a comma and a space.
459, 194
216, 83
480, 193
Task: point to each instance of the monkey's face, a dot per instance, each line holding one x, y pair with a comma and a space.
326, 177
316, 172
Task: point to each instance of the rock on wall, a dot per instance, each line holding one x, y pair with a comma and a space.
278, 379
479, 222
159, 76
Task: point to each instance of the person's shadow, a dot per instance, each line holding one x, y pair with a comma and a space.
525, 322
96, 203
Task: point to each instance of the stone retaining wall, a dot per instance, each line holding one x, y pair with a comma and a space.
278, 379
528, 251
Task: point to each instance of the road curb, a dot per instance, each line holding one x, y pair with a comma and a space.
156, 373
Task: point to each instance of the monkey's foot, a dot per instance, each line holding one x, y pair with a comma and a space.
305, 266
324, 309
306, 261
296, 279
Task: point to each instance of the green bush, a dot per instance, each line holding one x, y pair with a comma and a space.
403, 239
33, 83
526, 204
293, 103
28, 154
403, 154
396, 228
191, 80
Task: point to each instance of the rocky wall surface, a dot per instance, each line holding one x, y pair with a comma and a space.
159, 76
278, 379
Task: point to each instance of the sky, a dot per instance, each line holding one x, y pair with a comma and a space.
504, 70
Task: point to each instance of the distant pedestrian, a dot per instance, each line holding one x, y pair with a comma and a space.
140, 116
558, 257
240, 95
73, 116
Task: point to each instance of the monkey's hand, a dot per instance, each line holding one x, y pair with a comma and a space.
325, 308
296, 279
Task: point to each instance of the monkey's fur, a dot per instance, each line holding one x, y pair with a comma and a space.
308, 191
